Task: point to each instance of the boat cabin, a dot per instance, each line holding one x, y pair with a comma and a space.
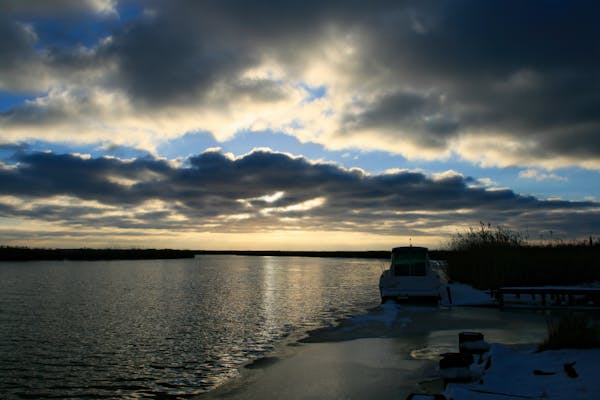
409, 261
410, 276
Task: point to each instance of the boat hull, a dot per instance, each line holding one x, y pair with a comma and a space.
409, 289
410, 277
419, 298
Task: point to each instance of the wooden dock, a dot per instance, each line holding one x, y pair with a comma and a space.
551, 296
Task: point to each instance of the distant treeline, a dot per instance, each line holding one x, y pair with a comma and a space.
32, 254
326, 254
8, 253
372, 254
485, 258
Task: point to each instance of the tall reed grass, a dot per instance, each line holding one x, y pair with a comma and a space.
570, 330
490, 257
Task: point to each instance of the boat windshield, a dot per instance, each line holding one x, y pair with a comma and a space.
402, 269
410, 258
417, 269
409, 263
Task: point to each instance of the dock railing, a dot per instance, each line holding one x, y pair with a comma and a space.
552, 296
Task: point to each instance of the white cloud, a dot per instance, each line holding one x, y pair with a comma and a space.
486, 182
449, 174
540, 175
303, 206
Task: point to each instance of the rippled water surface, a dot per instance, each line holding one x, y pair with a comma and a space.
162, 328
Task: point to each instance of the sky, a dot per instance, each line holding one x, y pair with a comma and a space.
296, 125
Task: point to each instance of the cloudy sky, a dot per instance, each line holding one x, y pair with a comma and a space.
296, 124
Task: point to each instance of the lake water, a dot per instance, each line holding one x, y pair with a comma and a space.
162, 328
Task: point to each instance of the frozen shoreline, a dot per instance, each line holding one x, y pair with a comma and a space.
385, 353
368, 368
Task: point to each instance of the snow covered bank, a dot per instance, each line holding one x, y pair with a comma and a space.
530, 375
465, 295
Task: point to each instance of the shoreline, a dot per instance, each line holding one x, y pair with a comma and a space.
8, 253
351, 369
393, 350
15, 253
388, 352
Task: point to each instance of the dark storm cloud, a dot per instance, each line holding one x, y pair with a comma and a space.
524, 69
211, 187
420, 115
16, 50
164, 61
15, 40
47, 174
188, 47
434, 70
29, 63
45, 8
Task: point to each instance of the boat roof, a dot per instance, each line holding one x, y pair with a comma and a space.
409, 249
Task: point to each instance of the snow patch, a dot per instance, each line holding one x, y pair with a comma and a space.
465, 295
511, 374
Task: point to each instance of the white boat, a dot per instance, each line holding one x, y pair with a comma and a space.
410, 276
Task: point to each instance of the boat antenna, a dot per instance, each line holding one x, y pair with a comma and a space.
410, 241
